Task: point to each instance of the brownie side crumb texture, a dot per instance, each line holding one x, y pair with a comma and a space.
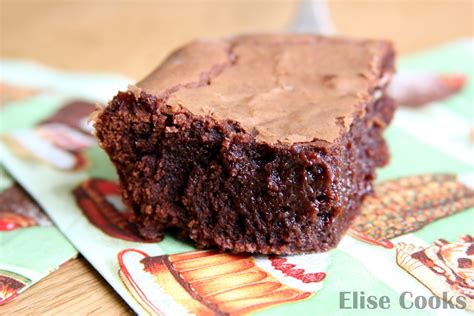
220, 186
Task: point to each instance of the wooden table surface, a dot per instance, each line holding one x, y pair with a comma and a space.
131, 37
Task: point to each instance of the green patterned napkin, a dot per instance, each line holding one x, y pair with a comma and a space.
31, 247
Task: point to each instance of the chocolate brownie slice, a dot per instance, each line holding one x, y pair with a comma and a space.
257, 143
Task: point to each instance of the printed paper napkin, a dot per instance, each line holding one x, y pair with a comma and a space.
411, 250
31, 247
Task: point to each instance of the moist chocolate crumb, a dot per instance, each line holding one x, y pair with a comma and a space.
242, 145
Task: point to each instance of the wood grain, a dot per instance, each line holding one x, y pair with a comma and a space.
73, 289
131, 37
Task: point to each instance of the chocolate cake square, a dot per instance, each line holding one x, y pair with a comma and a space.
256, 143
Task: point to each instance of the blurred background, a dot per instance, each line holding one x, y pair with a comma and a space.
132, 36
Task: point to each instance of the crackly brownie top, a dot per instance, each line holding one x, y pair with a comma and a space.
282, 88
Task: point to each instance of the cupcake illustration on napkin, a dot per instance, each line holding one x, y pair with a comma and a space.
208, 282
